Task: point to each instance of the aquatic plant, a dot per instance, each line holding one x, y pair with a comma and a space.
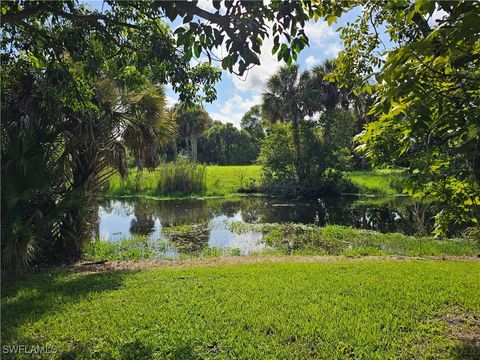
341, 240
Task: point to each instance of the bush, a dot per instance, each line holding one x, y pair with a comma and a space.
277, 158
181, 178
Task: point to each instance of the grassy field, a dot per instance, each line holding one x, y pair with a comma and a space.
226, 180
377, 181
229, 180
329, 309
220, 181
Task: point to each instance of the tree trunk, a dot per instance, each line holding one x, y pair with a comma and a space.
298, 156
139, 167
175, 150
193, 145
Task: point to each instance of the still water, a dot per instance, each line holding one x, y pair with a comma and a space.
123, 218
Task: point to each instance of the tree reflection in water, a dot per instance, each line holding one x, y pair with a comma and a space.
392, 214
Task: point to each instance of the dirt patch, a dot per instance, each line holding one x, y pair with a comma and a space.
127, 265
464, 328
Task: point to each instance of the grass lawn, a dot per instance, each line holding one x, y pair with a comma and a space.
330, 309
227, 180
377, 181
220, 181
231, 179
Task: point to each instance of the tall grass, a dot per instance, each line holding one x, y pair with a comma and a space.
220, 181
180, 178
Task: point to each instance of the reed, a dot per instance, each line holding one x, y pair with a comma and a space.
181, 178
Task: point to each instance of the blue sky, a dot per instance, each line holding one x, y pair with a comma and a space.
236, 95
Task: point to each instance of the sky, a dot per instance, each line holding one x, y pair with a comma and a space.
236, 95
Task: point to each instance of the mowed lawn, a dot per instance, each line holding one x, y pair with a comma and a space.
332, 309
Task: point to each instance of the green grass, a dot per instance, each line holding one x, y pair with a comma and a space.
377, 181
227, 180
220, 181
350, 308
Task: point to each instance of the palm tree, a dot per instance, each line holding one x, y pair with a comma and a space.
98, 143
289, 98
331, 94
192, 121
51, 174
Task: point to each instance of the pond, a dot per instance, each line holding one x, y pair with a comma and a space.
158, 219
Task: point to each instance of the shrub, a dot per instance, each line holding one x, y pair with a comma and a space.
278, 163
181, 178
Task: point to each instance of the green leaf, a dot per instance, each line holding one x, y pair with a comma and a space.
198, 50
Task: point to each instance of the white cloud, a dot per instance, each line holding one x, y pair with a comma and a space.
255, 78
323, 37
206, 5
170, 100
232, 110
311, 61
437, 15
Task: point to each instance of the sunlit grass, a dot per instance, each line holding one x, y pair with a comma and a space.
219, 181
377, 181
225, 180
357, 308
229, 180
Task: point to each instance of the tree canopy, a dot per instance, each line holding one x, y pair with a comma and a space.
427, 97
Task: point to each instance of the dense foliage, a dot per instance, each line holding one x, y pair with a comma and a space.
57, 57
316, 133
224, 144
321, 161
427, 97
83, 86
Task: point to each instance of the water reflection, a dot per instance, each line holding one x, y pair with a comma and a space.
120, 219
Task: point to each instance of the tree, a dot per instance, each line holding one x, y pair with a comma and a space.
65, 47
428, 99
127, 26
226, 145
252, 122
192, 121
289, 98
332, 94
54, 160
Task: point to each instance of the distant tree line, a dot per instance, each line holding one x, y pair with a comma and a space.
212, 142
